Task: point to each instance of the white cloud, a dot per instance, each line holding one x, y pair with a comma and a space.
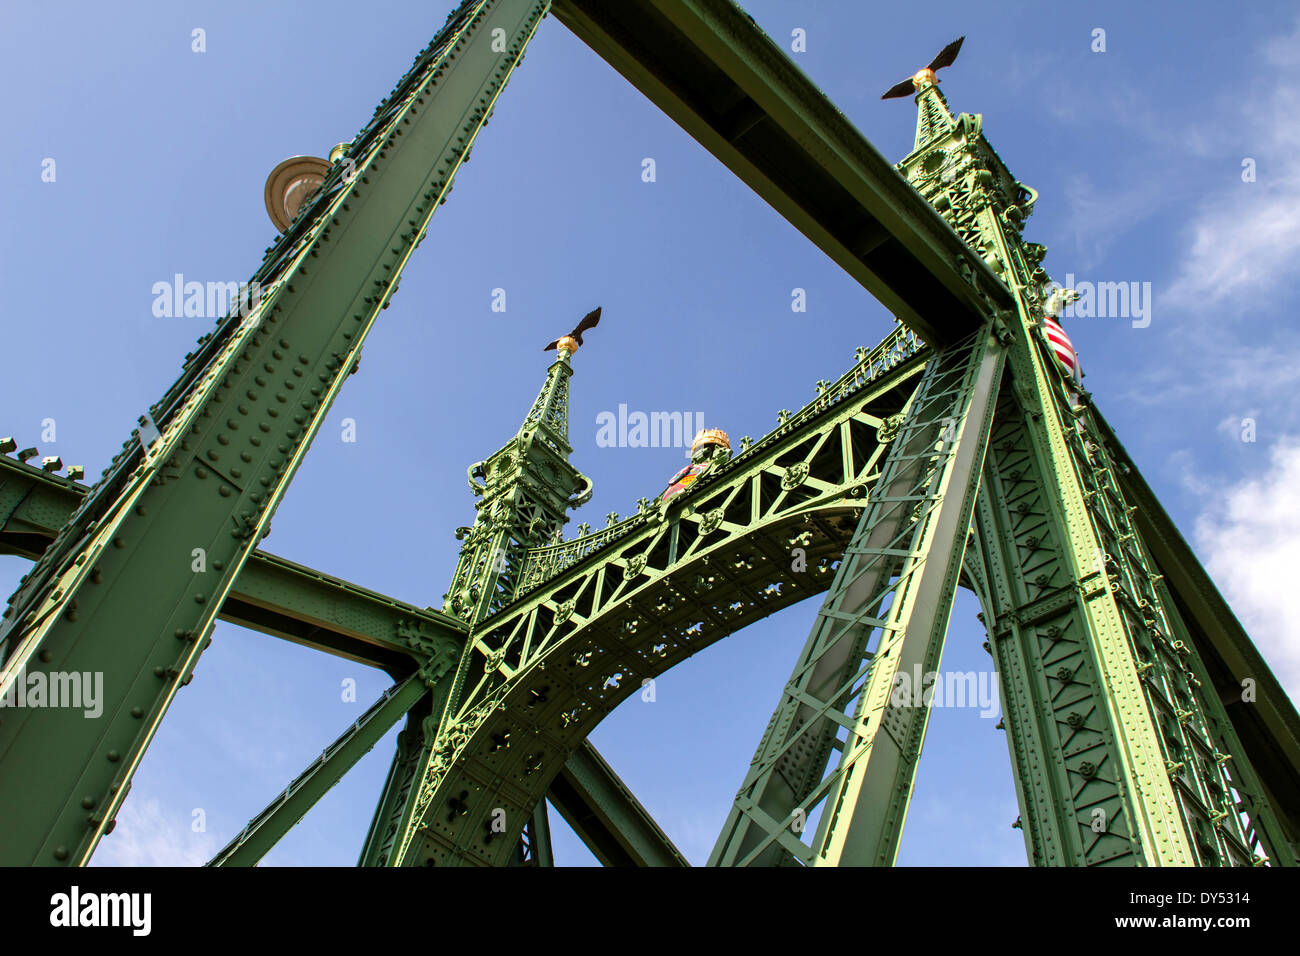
1244, 242
1250, 538
145, 835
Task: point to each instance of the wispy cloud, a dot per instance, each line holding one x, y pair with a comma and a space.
1242, 244
147, 835
1251, 537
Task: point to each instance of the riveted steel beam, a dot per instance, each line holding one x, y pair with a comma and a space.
1268, 725
271, 594
709, 67
117, 593
268, 827
606, 815
887, 611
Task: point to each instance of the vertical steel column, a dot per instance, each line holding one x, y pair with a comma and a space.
896, 582
1112, 741
131, 587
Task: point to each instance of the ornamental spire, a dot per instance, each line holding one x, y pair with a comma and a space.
933, 118
550, 411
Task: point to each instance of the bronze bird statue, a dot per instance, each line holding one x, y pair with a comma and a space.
913, 83
574, 338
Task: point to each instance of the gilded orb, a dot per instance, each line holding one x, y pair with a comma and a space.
567, 342
923, 78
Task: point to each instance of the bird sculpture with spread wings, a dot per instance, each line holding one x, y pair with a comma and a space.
913, 83
574, 338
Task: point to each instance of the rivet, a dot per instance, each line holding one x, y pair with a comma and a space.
46, 655
201, 472
88, 802
225, 491
199, 599
137, 713
113, 756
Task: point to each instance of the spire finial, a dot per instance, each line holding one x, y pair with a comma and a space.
570, 343
923, 78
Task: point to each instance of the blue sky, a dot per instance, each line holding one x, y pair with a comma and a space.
161, 154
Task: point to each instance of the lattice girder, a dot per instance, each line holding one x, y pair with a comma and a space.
887, 610
539, 676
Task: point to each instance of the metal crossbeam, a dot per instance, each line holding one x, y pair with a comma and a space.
710, 68
1120, 663
883, 613
110, 595
607, 817
268, 827
271, 594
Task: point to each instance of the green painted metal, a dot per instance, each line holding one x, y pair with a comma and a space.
1268, 727
234, 430
528, 485
606, 816
1120, 663
266, 829
710, 68
1110, 733
887, 611
624, 604
539, 849
271, 594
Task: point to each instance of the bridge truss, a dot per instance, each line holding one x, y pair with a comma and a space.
956, 452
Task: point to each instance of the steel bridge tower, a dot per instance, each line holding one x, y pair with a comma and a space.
962, 450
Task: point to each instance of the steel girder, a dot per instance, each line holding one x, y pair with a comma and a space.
1120, 742
606, 816
887, 611
760, 534
1267, 727
710, 68
271, 594
284, 599
115, 593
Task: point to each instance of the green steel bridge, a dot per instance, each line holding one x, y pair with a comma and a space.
957, 452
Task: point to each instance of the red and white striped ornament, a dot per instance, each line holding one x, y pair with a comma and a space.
1062, 347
